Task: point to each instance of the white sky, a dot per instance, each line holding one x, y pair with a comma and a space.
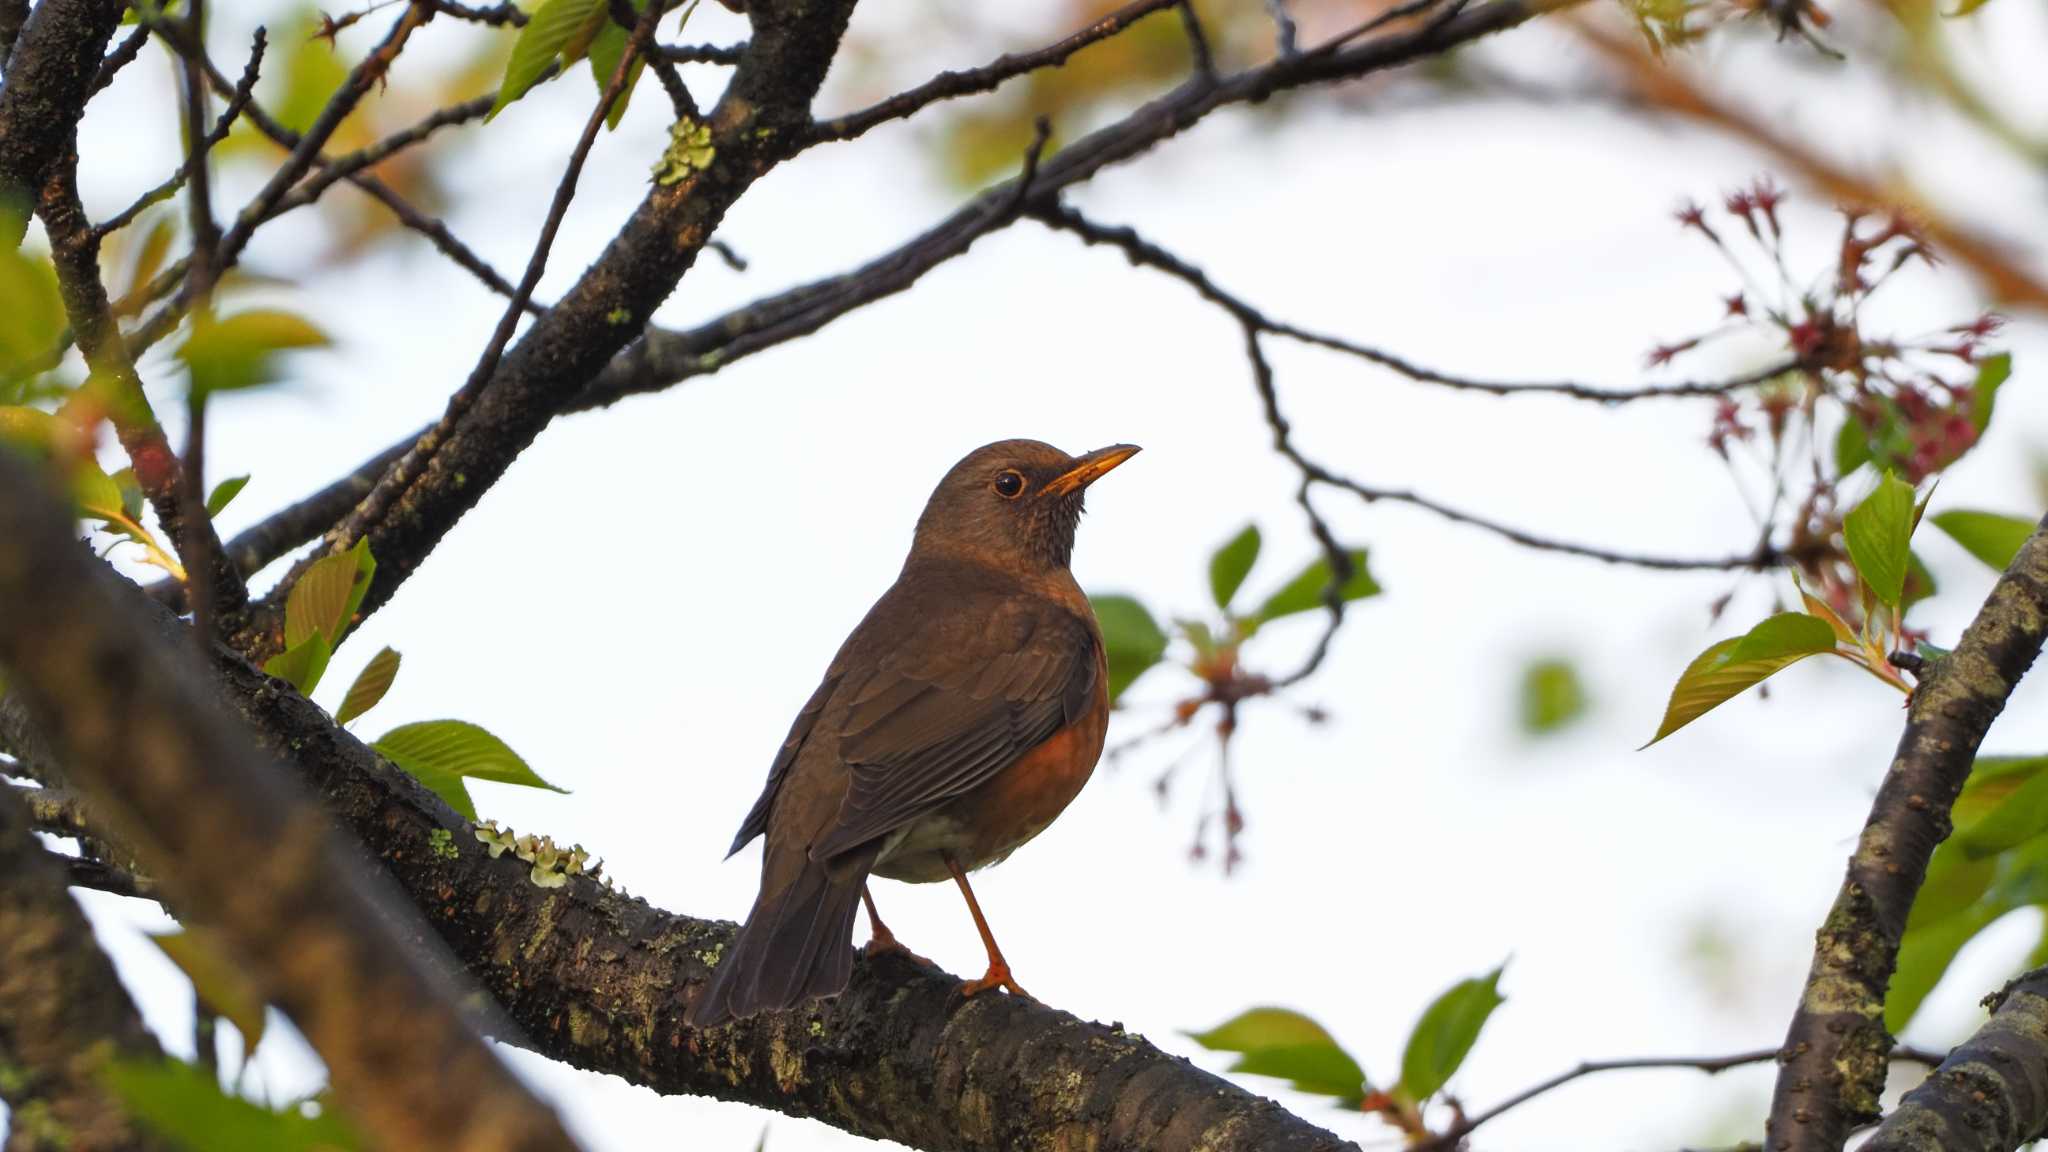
642, 603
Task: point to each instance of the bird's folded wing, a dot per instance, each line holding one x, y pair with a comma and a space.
925, 729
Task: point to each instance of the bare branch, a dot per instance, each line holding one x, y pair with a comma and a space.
1837, 1040
13, 14
49, 74
244, 89
987, 78
236, 845
1991, 1094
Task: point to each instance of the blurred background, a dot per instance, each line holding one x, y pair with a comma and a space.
646, 599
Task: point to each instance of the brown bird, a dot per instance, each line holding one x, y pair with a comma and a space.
960, 717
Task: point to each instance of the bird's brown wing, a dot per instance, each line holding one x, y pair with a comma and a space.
756, 822
960, 700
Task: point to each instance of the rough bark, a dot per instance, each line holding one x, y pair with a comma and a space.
238, 847
63, 1013
1991, 1093
1835, 1068
49, 75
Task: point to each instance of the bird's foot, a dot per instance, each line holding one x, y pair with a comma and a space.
997, 976
884, 943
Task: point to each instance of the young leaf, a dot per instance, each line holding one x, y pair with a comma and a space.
1132, 640
1924, 954
31, 314
607, 48
184, 1105
1445, 1035
2019, 816
1991, 372
558, 28
456, 749
1304, 593
241, 351
326, 597
1878, 531
302, 664
218, 983
371, 684
1727, 668
223, 492
1989, 537
1919, 582
1287, 1045
1551, 697
1954, 881
1231, 564
1852, 447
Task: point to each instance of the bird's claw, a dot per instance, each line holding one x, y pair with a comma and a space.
997, 976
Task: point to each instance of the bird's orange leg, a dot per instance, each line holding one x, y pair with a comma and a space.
998, 974
881, 941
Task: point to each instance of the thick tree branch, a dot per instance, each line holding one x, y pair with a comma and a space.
597, 979
222, 827
1835, 1069
13, 14
64, 1015
49, 76
1991, 1094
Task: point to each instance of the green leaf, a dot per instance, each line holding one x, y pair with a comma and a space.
1919, 582
302, 664
325, 599
221, 986
371, 684
1231, 564
1955, 880
1132, 640
1304, 593
185, 1106
606, 50
1924, 954
1992, 370
1445, 1035
1725, 669
1551, 696
223, 492
2019, 816
443, 753
1878, 531
31, 314
1285, 1044
241, 351
131, 493
1852, 447
1988, 536
558, 29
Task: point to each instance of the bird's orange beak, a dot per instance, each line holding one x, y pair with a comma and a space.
1089, 468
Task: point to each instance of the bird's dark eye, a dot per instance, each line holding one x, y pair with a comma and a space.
1009, 484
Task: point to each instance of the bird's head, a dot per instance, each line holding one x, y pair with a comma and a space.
1014, 504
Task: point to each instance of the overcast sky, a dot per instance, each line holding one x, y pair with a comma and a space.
644, 601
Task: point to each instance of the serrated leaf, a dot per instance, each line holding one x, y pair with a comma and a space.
1231, 564
1304, 593
185, 1106
1988, 536
325, 599
555, 29
1132, 640
302, 664
1821, 608
241, 350
1285, 1044
1878, 532
369, 687
459, 749
221, 986
1445, 1035
1729, 667
224, 492
1992, 370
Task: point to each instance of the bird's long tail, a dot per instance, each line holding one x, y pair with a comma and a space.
796, 945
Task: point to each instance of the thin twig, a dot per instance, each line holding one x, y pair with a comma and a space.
949, 85
408, 468
123, 55
244, 89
